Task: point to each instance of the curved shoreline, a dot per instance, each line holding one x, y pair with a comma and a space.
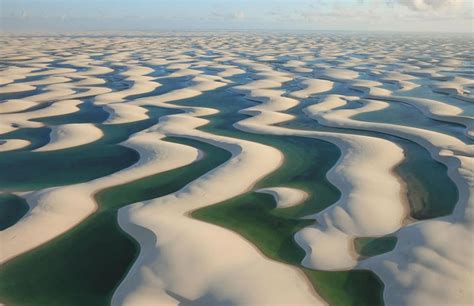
335, 84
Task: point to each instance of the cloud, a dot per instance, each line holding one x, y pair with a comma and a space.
237, 15
429, 5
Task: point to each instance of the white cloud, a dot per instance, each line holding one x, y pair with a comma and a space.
237, 15
430, 5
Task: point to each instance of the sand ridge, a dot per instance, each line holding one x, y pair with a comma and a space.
333, 80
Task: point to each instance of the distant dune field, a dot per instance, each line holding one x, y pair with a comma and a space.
236, 169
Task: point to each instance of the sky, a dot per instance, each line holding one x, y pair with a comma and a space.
136, 15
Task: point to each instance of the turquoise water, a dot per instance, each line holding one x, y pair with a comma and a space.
85, 265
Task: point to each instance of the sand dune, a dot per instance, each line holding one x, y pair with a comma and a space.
11, 122
71, 135
426, 235
304, 85
55, 210
313, 86
364, 184
141, 84
157, 275
123, 113
9, 88
285, 196
12, 144
15, 105
197, 86
364, 175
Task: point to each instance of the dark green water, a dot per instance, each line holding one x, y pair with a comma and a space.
26, 170
12, 208
431, 192
368, 246
37, 137
272, 230
85, 265
402, 114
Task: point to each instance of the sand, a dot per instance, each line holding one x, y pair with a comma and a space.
13, 144
71, 135
184, 260
312, 87
124, 113
285, 196
55, 210
157, 224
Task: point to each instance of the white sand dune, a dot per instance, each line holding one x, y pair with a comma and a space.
71, 135
434, 251
15, 105
364, 175
395, 267
369, 87
56, 210
51, 93
11, 88
226, 70
436, 110
422, 136
313, 86
455, 86
285, 196
297, 66
197, 86
12, 144
158, 274
183, 260
124, 113
48, 81
53, 71
13, 73
141, 84
13, 121
339, 75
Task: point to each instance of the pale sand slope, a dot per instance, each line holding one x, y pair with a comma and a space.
53, 211
412, 273
197, 86
182, 258
141, 84
432, 263
403, 81
12, 144
367, 165
364, 174
71, 135
435, 110
325, 115
370, 205
124, 113
59, 85
15, 105
433, 251
11, 88
13, 121
225, 70
312, 86
13, 73
285, 196
52, 92
339, 74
